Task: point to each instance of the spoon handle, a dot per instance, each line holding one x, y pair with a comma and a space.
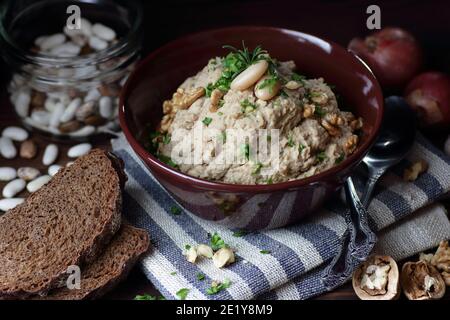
363, 238
357, 243
372, 181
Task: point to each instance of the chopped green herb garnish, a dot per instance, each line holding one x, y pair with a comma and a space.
233, 64
207, 121
148, 297
265, 252
173, 273
245, 149
182, 293
319, 112
301, 147
291, 142
223, 136
218, 287
175, 210
307, 95
187, 247
246, 57
154, 141
167, 138
247, 106
167, 160
239, 233
200, 276
270, 83
284, 94
269, 181
154, 135
220, 113
297, 77
340, 158
209, 89
217, 242
321, 156
269, 138
257, 168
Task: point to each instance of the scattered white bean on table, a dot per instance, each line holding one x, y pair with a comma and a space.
79, 150
8, 204
7, 148
53, 169
38, 183
15, 133
7, 173
50, 154
28, 173
14, 187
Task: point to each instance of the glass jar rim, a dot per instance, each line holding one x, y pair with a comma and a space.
48, 60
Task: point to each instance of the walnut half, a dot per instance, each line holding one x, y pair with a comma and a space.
216, 95
351, 144
416, 169
421, 281
181, 100
377, 279
441, 260
332, 130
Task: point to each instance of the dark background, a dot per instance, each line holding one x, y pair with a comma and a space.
339, 21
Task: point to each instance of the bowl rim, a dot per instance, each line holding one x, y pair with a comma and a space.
162, 168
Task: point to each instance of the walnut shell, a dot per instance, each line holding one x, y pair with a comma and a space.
389, 289
422, 281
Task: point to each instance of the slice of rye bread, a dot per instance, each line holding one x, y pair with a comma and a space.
110, 268
67, 222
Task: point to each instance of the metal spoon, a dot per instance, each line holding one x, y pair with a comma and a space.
396, 138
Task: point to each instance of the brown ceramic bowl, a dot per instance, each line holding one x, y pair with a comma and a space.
248, 206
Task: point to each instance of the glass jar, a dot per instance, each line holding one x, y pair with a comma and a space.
69, 88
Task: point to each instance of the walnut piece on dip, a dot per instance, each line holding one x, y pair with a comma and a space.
422, 281
377, 279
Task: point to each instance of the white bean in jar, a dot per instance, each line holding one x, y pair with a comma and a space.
61, 105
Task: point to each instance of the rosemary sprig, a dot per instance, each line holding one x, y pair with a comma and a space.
246, 56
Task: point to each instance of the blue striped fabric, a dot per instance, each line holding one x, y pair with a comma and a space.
298, 253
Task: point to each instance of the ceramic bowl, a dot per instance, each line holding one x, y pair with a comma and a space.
251, 207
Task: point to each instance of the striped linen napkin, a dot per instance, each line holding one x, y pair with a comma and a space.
296, 255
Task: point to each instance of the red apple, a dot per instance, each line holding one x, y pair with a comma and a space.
429, 95
393, 54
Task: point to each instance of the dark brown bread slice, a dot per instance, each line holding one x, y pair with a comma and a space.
110, 268
67, 222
